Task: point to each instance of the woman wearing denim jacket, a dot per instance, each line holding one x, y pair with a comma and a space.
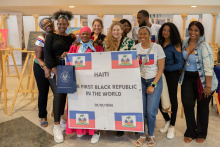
198, 82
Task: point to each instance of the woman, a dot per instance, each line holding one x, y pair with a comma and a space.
85, 47
96, 35
169, 39
116, 42
151, 80
127, 26
55, 45
198, 82
40, 70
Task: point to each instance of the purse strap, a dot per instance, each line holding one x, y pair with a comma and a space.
146, 57
193, 50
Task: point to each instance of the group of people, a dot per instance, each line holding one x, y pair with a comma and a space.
188, 62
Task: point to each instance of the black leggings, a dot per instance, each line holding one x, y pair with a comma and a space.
43, 88
172, 78
190, 94
59, 101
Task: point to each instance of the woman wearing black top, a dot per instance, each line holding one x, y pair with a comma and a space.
55, 45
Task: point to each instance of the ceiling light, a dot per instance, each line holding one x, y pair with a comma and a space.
71, 6
193, 6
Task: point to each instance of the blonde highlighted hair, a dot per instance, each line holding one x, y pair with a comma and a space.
111, 43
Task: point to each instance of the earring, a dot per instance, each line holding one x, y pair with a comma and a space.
150, 39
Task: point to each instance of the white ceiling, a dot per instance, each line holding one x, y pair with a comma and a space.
113, 9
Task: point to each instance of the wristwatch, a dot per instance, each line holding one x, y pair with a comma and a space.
42, 66
153, 84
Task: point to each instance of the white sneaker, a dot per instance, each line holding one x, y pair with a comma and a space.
79, 135
171, 132
58, 133
63, 124
165, 127
95, 138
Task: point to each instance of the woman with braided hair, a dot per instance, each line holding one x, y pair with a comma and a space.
55, 45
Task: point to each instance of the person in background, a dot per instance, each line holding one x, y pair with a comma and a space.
41, 71
96, 35
143, 20
55, 44
127, 26
170, 40
85, 46
151, 79
115, 41
198, 82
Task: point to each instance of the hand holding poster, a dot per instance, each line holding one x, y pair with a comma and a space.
109, 95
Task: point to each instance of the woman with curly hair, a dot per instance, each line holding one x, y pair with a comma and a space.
169, 39
115, 41
127, 26
55, 44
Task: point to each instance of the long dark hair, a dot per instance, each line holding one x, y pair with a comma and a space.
174, 34
199, 25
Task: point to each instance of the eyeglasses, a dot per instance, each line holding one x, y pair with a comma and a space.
46, 24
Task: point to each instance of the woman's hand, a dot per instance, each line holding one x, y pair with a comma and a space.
138, 57
150, 90
64, 54
47, 72
207, 91
76, 43
100, 42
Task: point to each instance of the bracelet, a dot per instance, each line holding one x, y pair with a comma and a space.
42, 66
207, 87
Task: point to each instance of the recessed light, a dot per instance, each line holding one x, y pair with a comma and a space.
71, 6
193, 6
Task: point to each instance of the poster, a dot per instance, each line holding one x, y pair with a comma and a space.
3, 38
75, 31
109, 95
32, 39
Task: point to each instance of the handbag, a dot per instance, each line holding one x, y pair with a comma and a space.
66, 79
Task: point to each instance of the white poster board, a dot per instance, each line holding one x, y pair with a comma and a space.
207, 21
109, 95
13, 38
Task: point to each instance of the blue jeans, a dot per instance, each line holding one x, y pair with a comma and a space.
151, 103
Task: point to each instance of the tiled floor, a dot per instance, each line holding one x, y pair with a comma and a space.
23, 127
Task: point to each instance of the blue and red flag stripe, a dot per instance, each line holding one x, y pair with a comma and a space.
41, 40
72, 117
151, 59
115, 59
88, 60
139, 121
152, 38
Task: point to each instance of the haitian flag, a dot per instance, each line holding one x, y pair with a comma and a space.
152, 38
124, 59
151, 59
82, 119
129, 121
81, 61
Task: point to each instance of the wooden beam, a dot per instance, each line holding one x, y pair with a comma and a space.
214, 27
184, 15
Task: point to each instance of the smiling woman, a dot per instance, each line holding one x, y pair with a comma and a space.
115, 41
55, 45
